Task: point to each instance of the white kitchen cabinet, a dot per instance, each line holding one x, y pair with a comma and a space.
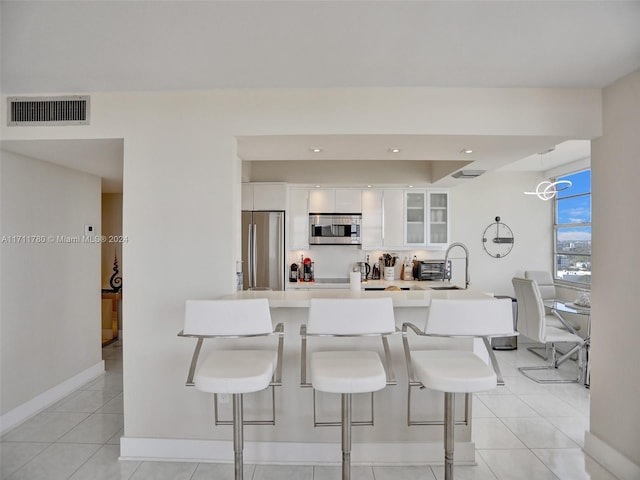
247, 196
415, 218
372, 215
264, 196
335, 200
393, 218
269, 196
298, 218
383, 219
438, 225
322, 200
348, 200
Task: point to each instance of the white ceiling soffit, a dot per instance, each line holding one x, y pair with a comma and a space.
89, 46
292, 156
496, 149
356, 173
577, 152
100, 157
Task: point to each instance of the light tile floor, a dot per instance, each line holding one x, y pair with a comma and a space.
523, 430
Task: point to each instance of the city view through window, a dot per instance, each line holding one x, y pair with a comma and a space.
572, 230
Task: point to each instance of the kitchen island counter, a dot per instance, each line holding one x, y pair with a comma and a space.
403, 298
294, 440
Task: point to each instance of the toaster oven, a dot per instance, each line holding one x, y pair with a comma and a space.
431, 270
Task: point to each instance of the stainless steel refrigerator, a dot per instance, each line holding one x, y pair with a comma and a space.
263, 264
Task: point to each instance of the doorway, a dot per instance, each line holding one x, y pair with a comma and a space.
111, 277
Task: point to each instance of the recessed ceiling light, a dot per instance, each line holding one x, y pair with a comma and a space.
466, 151
410, 186
394, 150
317, 186
369, 186
315, 149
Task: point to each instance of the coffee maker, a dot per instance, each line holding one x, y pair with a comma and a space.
293, 272
307, 270
365, 270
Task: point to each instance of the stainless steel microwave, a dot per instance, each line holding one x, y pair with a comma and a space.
335, 228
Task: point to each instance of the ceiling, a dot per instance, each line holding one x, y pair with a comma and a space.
101, 157
97, 46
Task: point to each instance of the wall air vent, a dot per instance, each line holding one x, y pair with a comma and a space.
468, 173
55, 111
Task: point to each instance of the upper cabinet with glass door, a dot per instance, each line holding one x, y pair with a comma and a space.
415, 225
426, 214
438, 205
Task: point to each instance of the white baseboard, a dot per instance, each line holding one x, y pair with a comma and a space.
610, 458
21, 413
289, 453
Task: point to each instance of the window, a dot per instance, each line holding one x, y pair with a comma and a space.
572, 230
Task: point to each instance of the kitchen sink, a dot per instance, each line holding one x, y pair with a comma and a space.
332, 280
447, 287
368, 289
412, 287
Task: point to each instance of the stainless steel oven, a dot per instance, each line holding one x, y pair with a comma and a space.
335, 228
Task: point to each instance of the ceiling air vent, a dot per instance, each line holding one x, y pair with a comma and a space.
468, 173
68, 110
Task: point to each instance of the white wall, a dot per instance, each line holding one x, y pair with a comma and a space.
615, 377
474, 205
50, 309
181, 200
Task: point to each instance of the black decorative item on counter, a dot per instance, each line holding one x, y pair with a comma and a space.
375, 273
293, 272
115, 281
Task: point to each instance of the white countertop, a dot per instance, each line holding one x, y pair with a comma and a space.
324, 284
402, 298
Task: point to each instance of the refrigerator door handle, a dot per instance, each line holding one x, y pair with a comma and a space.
254, 256
250, 255
280, 260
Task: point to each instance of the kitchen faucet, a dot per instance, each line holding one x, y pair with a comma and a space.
466, 262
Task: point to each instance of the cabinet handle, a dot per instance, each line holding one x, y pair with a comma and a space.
383, 218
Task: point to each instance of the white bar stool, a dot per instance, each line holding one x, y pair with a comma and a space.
234, 371
458, 371
348, 371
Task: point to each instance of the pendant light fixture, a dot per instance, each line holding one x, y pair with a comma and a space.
546, 189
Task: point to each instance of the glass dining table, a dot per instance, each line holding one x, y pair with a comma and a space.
563, 307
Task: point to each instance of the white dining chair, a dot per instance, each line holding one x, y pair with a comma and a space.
533, 323
548, 292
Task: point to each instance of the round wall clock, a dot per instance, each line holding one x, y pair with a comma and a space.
497, 239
